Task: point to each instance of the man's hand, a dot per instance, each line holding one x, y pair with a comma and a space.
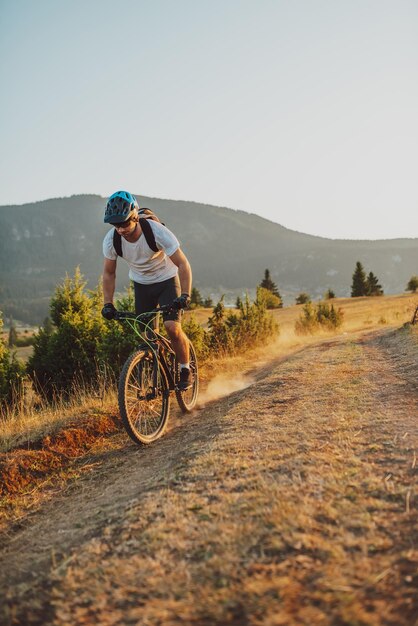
182, 302
108, 311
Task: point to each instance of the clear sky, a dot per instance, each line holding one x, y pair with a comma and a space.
302, 111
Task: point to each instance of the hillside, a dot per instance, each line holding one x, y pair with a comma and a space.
229, 250
290, 501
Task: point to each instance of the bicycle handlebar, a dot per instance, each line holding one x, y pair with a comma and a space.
128, 315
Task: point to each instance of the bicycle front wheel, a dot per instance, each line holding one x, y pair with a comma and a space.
187, 399
144, 397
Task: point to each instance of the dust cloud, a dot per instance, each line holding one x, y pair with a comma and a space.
223, 385
246, 370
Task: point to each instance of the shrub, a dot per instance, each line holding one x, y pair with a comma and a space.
12, 336
412, 284
270, 286
307, 322
220, 338
231, 333
195, 298
328, 316
23, 341
313, 318
119, 339
12, 373
68, 355
80, 348
268, 298
303, 298
198, 336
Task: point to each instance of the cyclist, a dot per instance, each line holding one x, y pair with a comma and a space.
162, 277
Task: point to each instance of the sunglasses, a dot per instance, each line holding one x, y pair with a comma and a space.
123, 224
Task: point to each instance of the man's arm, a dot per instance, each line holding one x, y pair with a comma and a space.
185, 271
109, 280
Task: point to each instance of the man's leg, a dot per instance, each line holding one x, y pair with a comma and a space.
170, 290
145, 300
179, 340
180, 345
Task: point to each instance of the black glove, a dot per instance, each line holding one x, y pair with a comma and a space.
182, 302
109, 311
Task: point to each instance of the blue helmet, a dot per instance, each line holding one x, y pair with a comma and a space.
119, 207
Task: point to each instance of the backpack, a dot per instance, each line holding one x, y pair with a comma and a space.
146, 229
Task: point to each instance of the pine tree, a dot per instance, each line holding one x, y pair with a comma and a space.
303, 298
11, 376
69, 355
412, 284
12, 335
268, 284
48, 326
359, 287
195, 298
372, 286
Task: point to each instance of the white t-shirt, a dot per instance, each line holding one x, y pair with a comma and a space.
146, 266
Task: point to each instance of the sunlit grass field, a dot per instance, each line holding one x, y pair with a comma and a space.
360, 314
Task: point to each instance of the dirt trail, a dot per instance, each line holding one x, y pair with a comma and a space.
292, 501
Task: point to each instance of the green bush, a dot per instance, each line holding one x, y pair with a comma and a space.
235, 332
22, 342
313, 318
195, 299
270, 286
119, 339
268, 298
12, 374
198, 336
303, 298
68, 355
412, 284
219, 340
80, 348
328, 316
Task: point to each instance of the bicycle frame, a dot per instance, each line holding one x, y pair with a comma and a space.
152, 340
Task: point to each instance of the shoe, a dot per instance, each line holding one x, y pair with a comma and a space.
186, 379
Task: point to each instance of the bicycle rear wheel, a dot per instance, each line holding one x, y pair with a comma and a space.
144, 397
187, 399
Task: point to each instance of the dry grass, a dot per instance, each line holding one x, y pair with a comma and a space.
301, 512
295, 507
292, 502
34, 429
34, 420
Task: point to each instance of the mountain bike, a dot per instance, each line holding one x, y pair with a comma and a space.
148, 378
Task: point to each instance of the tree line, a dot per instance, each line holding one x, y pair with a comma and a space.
76, 347
362, 285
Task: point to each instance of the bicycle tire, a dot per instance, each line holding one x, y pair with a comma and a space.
187, 399
144, 406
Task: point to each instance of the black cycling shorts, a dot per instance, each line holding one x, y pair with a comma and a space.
147, 297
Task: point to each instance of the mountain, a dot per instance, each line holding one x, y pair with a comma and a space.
228, 250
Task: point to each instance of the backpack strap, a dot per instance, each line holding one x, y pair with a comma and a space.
117, 242
148, 233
